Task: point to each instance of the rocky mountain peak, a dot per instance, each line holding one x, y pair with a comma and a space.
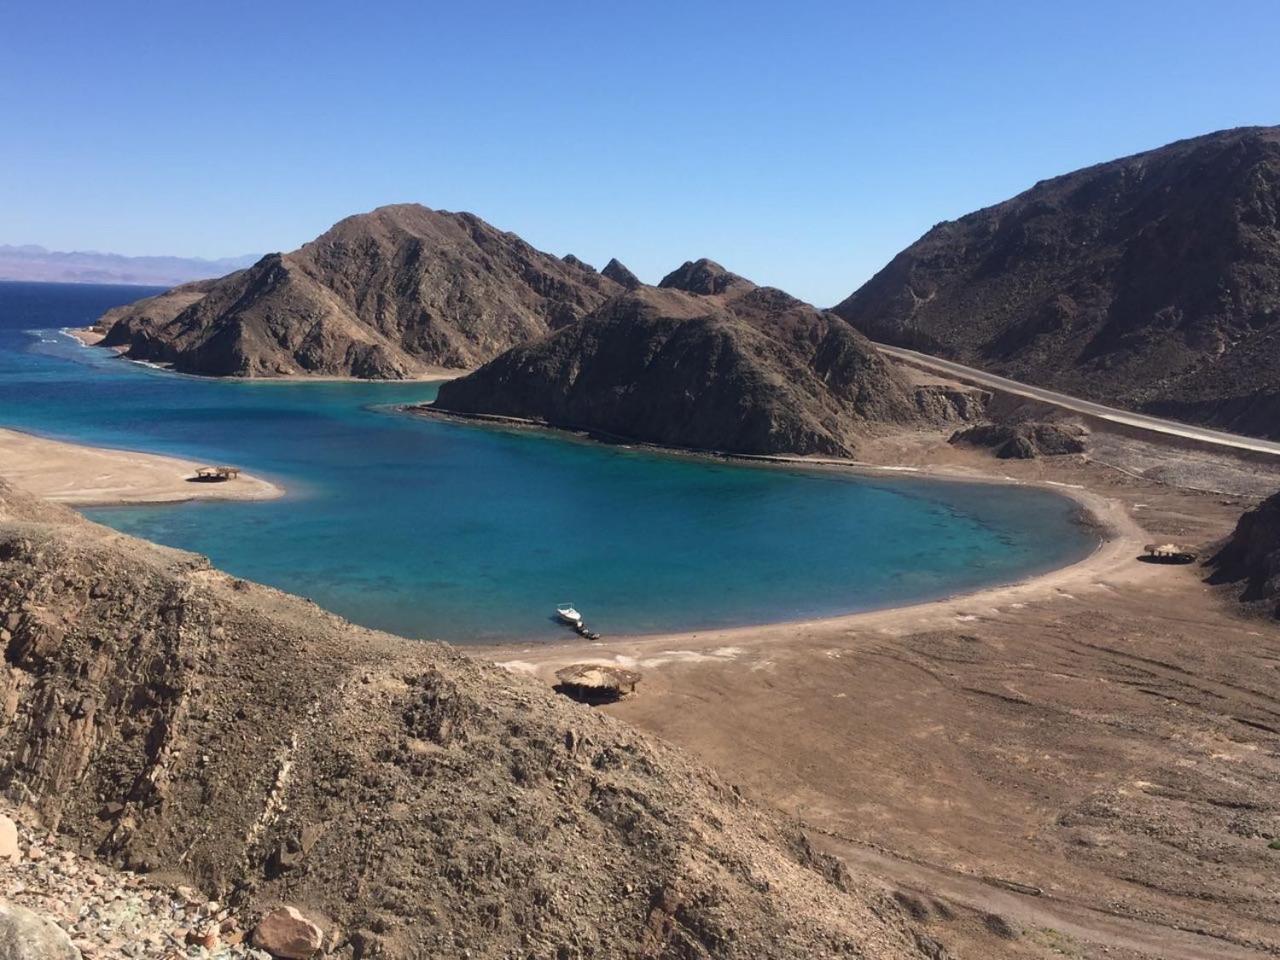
573, 261
620, 275
384, 295
705, 277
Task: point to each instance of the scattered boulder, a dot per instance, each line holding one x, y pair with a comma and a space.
25, 935
9, 850
284, 932
1024, 441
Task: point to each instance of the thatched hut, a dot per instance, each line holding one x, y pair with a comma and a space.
216, 474
596, 682
1168, 553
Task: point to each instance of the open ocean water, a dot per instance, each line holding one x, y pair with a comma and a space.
473, 534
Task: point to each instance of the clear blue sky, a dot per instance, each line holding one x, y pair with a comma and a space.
801, 144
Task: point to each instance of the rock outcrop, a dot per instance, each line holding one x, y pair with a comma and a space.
708, 361
385, 294
423, 804
1025, 440
9, 852
1151, 282
25, 935
284, 932
620, 275
1250, 558
705, 277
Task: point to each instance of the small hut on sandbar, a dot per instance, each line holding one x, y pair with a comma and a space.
596, 683
216, 474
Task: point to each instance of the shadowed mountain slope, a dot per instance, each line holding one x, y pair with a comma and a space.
707, 360
1150, 282
1250, 557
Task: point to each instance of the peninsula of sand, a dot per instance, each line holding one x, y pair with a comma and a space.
81, 475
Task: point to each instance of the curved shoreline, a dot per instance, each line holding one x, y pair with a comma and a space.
48, 474
1114, 557
1117, 531
84, 475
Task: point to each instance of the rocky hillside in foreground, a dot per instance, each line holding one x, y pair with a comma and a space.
411, 801
385, 294
1250, 559
1151, 282
707, 360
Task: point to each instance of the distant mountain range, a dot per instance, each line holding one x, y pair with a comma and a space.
36, 264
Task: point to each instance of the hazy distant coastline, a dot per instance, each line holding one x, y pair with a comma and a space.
36, 264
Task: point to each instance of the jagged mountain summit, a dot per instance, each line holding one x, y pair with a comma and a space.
620, 275
705, 277
710, 361
386, 294
1150, 282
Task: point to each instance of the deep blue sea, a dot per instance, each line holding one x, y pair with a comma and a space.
470, 533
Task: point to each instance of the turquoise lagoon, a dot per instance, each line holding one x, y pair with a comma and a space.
473, 534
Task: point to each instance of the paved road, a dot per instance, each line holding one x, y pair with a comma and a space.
1151, 424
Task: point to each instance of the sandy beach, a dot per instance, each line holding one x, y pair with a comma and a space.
83, 476
89, 336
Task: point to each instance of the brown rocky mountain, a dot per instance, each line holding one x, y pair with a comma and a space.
707, 361
416, 802
385, 294
1151, 282
1250, 558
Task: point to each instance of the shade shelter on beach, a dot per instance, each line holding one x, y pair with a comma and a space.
1168, 553
596, 683
217, 474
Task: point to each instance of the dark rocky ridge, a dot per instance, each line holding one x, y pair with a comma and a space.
1151, 282
1250, 558
707, 361
421, 803
1024, 440
385, 294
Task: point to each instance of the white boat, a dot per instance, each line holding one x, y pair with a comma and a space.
569, 615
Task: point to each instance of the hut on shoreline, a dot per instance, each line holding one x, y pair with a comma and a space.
596, 683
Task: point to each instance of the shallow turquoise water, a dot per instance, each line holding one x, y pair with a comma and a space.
467, 533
